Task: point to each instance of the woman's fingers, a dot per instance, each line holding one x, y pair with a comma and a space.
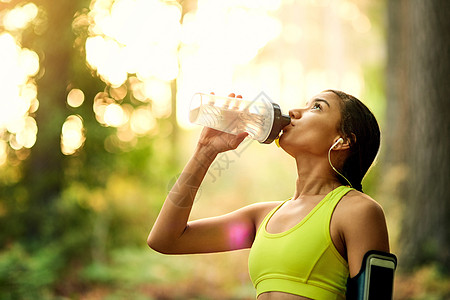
237, 140
231, 95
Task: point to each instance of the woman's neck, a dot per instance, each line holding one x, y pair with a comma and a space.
314, 177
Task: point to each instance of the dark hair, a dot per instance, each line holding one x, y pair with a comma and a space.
358, 125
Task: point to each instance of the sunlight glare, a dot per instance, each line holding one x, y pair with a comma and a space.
125, 134
160, 93
114, 50
72, 135
353, 82
362, 24
133, 44
20, 16
348, 10
107, 57
3, 153
141, 45
29, 62
101, 101
114, 115
318, 80
217, 38
118, 93
26, 136
18, 93
137, 89
142, 121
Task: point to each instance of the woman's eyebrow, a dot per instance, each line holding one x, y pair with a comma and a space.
318, 100
321, 100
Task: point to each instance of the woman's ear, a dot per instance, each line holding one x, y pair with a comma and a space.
344, 144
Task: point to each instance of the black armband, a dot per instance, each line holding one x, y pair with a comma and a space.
375, 280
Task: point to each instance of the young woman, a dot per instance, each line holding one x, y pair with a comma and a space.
306, 247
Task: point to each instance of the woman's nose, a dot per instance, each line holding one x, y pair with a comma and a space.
295, 113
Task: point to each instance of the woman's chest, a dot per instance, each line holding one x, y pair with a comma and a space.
291, 214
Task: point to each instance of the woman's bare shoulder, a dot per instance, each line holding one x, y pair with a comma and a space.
355, 201
259, 207
359, 208
257, 211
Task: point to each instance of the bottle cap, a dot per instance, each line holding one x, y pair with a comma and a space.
279, 122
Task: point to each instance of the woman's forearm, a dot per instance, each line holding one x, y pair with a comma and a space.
174, 215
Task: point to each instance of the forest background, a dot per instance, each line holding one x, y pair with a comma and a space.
94, 99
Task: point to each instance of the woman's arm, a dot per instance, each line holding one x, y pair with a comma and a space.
172, 219
364, 228
172, 233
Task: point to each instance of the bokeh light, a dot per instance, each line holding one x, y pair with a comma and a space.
75, 98
217, 38
133, 37
20, 16
142, 121
139, 47
18, 92
72, 135
291, 50
224, 46
3, 152
114, 115
133, 47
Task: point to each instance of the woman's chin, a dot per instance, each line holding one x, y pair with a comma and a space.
283, 144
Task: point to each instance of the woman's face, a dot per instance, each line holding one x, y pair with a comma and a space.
314, 127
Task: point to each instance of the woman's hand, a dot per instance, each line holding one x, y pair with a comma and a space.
215, 141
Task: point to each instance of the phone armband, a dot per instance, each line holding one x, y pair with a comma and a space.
375, 280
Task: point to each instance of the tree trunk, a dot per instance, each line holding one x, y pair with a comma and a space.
417, 127
43, 171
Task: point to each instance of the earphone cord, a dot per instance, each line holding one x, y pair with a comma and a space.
329, 160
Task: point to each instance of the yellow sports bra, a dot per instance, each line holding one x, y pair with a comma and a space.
302, 260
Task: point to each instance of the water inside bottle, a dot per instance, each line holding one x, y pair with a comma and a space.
231, 120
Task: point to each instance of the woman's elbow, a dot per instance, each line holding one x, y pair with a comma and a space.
158, 246
152, 242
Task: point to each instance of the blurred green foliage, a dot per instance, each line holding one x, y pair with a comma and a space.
75, 226
68, 222
26, 276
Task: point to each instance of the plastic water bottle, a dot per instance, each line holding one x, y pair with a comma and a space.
260, 118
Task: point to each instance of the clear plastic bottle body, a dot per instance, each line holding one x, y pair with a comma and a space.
233, 115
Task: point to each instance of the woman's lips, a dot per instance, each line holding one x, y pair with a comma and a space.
288, 127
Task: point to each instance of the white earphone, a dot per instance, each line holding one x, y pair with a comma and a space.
340, 140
